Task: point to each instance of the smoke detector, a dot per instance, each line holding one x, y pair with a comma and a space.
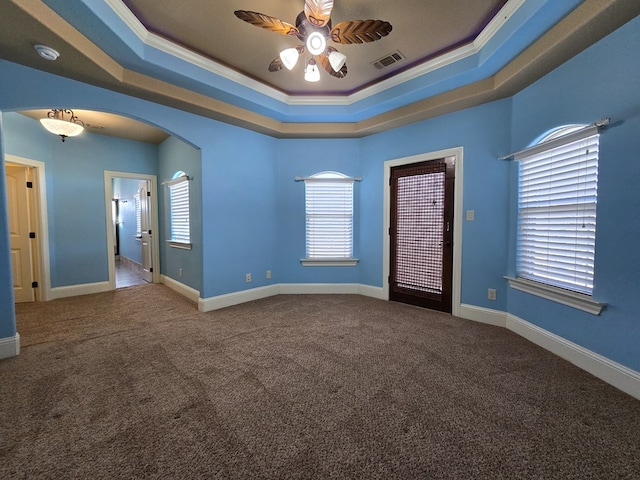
47, 53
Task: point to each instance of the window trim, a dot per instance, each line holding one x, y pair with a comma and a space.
577, 300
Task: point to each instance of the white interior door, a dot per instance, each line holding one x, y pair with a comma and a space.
146, 232
21, 254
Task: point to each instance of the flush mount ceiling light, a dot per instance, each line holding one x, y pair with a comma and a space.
313, 27
63, 122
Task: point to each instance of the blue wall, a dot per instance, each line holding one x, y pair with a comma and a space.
75, 192
303, 158
253, 211
603, 81
7, 307
483, 132
175, 155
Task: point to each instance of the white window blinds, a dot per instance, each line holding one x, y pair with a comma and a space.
179, 201
557, 197
329, 216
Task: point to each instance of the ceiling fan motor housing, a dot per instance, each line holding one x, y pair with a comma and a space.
305, 27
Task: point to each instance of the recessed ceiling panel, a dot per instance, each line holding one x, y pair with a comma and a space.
420, 31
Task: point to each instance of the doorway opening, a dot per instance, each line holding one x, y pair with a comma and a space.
132, 229
27, 208
423, 230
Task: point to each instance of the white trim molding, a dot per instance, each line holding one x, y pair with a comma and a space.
83, 289
329, 262
10, 346
483, 315
559, 295
154, 41
613, 373
184, 290
236, 298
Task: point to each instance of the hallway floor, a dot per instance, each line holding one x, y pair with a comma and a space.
128, 275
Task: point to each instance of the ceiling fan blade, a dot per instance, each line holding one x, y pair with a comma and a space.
318, 12
276, 65
323, 59
265, 21
360, 31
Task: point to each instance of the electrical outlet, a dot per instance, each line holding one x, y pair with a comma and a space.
268, 274
491, 294
180, 272
248, 277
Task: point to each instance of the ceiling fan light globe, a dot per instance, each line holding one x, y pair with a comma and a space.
289, 57
311, 73
316, 43
337, 60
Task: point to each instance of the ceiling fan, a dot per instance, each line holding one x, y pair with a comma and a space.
313, 27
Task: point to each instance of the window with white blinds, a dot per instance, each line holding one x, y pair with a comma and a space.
557, 197
329, 216
179, 209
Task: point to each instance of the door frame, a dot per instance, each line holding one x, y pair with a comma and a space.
38, 211
457, 153
109, 175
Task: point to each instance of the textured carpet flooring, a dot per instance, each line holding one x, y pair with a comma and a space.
138, 384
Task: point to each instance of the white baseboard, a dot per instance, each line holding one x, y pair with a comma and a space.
613, 373
483, 315
230, 299
184, 290
10, 346
227, 300
318, 288
75, 290
373, 292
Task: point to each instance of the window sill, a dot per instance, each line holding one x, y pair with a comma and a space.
329, 262
180, 245
559, 295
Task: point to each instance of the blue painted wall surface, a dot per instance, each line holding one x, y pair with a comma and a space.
253, 211
239, 214
602, 81
7, 307
125, 190
75, 192
176, 155
303, 158
483, 132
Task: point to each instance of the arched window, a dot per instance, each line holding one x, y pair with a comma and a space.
557, 197
180, 227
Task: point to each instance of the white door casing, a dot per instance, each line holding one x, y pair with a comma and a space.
152, 183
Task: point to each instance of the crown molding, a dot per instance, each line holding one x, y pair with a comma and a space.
154, 41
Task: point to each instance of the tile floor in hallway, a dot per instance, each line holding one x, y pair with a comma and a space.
128, 275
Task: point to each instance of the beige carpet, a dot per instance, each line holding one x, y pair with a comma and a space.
138, 384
